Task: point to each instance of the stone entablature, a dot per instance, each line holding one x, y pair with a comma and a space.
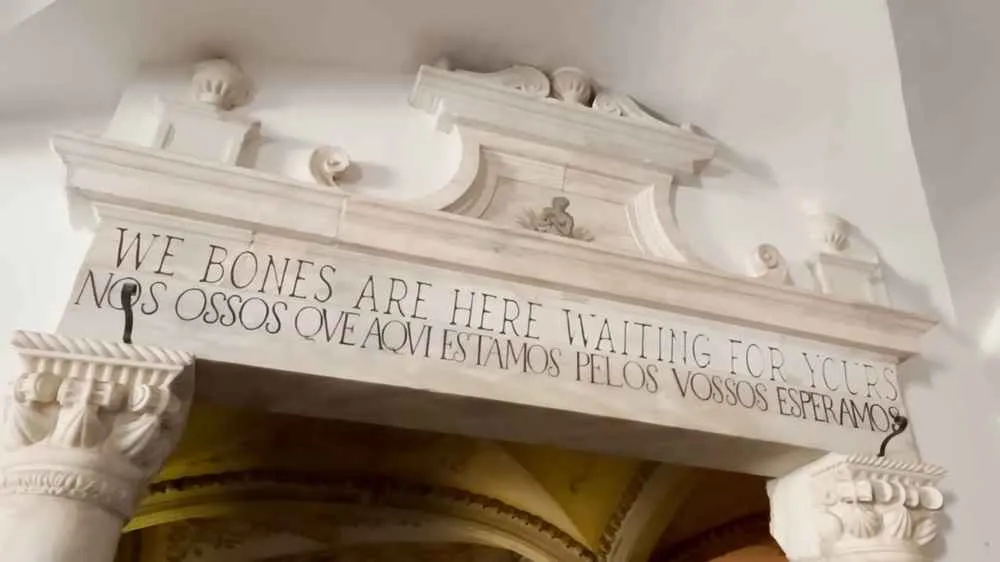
560, 215
550, 213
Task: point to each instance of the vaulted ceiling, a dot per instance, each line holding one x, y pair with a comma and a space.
246, 485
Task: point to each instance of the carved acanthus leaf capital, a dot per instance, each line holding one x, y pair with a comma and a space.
91, 420
856, 508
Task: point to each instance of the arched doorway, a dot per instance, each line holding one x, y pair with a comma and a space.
247, 486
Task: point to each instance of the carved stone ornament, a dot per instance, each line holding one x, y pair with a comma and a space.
567, 84
856, 508
90, 420
221, 84
555, 219
832, 231
571, 85
328, 163
846, 266
525, 79
767, 264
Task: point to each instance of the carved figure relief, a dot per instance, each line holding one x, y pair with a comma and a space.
555, 219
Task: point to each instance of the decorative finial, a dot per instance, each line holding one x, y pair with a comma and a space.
830, 230
555, 219
221, 84
571, 85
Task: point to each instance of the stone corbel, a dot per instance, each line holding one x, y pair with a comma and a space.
91, 421
857, 509
529, 140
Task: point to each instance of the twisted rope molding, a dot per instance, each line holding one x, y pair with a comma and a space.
631, 494
381, 491
733, 535
886, 464
54, 345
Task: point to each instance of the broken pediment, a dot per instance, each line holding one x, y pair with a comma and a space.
550, 158
559, 155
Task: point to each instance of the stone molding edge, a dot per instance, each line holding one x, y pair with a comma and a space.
369, 490
458, 96
91, 421
109, 171
886, 466
55, 346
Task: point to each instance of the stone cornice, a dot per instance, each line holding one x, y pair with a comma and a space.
112, 172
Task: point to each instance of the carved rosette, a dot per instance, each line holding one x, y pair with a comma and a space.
856, 508
90, 420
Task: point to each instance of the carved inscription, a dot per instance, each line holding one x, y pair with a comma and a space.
450, 318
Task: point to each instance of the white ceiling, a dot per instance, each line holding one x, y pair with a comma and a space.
948, 53
78, 52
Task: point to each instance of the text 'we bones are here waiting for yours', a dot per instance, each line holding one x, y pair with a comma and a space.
453, 318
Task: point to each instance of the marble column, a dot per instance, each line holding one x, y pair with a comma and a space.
845, 508
85, 426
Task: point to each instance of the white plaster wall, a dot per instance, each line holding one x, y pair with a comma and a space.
804, 96
953, 116
950, 98
40, 250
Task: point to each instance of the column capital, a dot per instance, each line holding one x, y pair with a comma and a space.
91, 420
856, 508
